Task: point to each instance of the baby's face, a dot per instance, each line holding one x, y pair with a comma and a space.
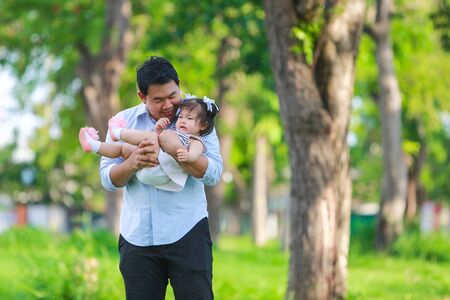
188, 122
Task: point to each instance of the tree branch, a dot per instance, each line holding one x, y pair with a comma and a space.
117, 38
370, 31
86, 60
308, 10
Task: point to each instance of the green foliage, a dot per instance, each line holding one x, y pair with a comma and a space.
242, 20
43, 35
365, 154
60, 267
423, 83
11, 173
441, 20
410, 245
435, 175
40, 44
192, 36
432, 247
424, 107
307, 35
258, 113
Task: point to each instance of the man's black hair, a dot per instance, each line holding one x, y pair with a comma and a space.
155, 70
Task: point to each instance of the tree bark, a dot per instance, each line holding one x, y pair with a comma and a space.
260, 189
100, 74
414, 180
393, 194
315, 104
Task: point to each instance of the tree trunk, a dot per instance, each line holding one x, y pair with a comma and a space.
100, 74
229, 47
260, 189
393, 194
315, 104
411, 198
414, 181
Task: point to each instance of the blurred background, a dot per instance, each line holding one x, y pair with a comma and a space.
67, 64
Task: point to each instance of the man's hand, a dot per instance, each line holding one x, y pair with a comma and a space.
145, 155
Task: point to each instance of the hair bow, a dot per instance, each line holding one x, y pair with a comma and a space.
209, 103
189, 96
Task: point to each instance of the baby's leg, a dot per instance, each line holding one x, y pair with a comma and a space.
126, 150
89, 141
134, 137
111, 150
170, 142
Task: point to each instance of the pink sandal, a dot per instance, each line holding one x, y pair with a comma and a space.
115, 125
86, 136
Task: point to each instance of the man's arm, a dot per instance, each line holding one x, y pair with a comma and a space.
207, 168
117, 173
170, 143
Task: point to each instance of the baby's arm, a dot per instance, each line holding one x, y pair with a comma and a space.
195, 151
161, 124
170, 143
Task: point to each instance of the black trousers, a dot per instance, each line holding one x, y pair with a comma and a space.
187, 263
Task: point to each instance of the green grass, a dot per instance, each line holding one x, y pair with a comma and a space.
241, 271
384, 277
39, 265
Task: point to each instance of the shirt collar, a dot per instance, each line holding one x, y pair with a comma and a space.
143, 112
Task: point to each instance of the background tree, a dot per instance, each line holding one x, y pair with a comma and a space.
224, 44
315, 87
85, 45
441, 20
393, 190
198, 48
424, 133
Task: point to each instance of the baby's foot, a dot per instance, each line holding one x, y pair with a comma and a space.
116, 125
89, 139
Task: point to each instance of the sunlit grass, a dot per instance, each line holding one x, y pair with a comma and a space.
385, 277
39, 265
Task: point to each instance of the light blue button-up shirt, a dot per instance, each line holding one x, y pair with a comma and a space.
151, 216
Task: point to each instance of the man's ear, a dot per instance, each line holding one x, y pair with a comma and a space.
142, 96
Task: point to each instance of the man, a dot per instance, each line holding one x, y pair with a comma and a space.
164, 235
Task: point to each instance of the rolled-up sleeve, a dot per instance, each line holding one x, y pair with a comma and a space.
215, 164
106, 165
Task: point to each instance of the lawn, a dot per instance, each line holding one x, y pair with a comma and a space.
38, 265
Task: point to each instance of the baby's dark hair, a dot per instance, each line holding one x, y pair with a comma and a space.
155, 70
205, 115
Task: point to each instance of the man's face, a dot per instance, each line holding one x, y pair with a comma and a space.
162, 100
